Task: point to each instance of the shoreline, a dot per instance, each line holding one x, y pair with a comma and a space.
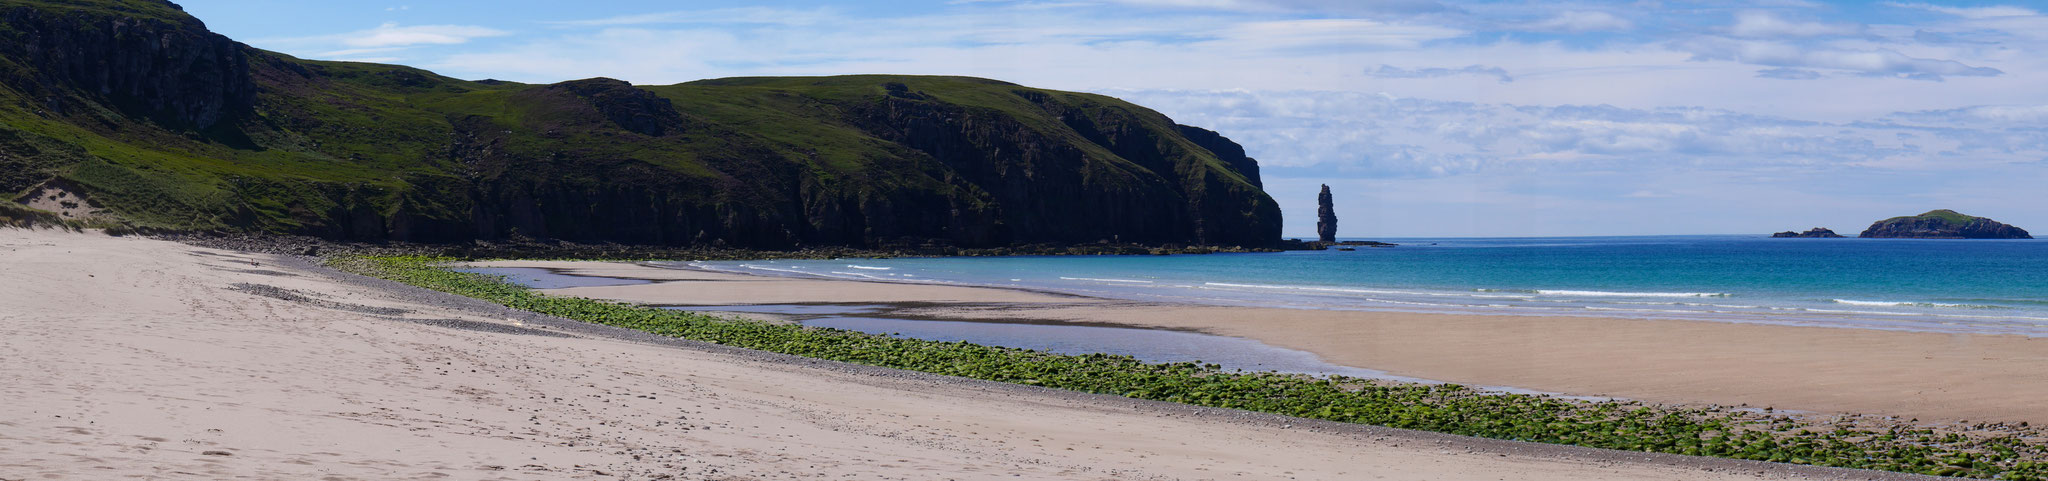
1936, 378
1946, 317
134, 357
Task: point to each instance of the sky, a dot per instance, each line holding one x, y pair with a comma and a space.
1426, 117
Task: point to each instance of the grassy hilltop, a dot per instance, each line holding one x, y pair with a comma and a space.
133, 106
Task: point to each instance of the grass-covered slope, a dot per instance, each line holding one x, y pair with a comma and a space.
167, 125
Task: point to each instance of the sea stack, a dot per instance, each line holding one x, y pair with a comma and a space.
1326, 216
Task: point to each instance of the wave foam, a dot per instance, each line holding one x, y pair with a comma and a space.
792, 270
1853, 302
1126, 281
869, 268
857, 274
1312, 288
1630, 294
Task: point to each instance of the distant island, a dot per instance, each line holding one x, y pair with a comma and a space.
1816, 233
1942, 224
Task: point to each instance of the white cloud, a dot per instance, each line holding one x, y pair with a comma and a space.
1789, 73
1581, 21
1413, 167
1310, 6
1389, 71
2021, 115
1759, 24
358, 52
1993, 11
1871, 62
741, 15
1335, 32
1370, 135
394, 35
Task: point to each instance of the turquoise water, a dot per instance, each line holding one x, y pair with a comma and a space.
1994, 286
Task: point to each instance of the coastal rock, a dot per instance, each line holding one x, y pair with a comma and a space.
1326, 217
155, 63
1816, 233
1226, 150
1943, 224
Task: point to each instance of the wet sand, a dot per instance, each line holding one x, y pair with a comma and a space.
136, 358
1933, 377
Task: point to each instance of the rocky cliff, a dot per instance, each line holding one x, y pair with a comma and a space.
142, 59
165, 124
1943, 224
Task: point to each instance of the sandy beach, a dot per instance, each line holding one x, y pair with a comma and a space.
1933, 377
139, 358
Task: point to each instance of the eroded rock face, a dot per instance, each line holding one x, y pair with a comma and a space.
1326, 216
1046, 189
174, 72
1816, 233
1227, 150
1943, 224
629, 108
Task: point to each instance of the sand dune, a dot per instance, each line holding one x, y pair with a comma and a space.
139, 358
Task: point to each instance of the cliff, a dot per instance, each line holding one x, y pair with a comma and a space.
1815, 233
1943, 224
134, 106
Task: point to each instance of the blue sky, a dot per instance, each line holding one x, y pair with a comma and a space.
1427, 117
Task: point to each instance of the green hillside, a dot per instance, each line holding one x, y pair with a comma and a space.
198, 132
1939, 215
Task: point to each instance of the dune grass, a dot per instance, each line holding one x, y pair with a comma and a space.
19, 216
1983, 451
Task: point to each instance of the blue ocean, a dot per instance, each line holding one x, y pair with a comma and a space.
1978, 286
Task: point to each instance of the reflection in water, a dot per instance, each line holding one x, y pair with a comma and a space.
789, 309
538, 278
1149, 345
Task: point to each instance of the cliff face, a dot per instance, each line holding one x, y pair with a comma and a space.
1225, 149
378, 152
144, 63
1943, 224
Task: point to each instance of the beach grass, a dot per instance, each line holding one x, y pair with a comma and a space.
1988, 451
20, 216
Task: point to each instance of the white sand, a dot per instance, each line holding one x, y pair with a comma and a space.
134, 358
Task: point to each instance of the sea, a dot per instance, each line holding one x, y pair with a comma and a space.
1962, 286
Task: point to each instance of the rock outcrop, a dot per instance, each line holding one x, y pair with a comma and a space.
154, 62
1225, 150
1326, 217
1814, 233
1943, 224
632, 109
